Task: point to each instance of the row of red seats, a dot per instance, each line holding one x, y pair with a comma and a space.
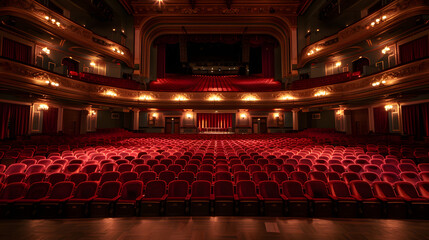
314, 198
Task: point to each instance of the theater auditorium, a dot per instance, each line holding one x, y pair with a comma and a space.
214, 119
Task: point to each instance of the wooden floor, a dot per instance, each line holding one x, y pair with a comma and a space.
224, 228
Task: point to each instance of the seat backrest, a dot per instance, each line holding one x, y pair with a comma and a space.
16, 177
35, 168
90, 168
35, 177
155, 189
178, 188
62, 190
259, 176
361, 189
109, 189
131, 190
389, 177
423, 188
15, 168
207, 168
407, 167
54, 168
13, 191
299, 176
38, 190
350, 176
292, 188
355, 168
279, 176
238, 176
201, 188
339, 188
316, 175
207, 176
370, 177
147, 176
187, 176
390, 168
246, 188
85, 190
383, 189
337, 168
125, 167
333, 176
406, 190
269, 189
223, 188
128, 176
192, 168
271, 168
109, 176
423, 167
316, 189
167, 176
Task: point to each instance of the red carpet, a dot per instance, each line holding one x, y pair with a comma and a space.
201, 83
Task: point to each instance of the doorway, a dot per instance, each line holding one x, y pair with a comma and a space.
259, 125
172, 125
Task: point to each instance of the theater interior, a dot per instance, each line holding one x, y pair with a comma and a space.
214, 119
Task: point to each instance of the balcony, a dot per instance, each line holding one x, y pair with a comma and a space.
51, 21
380, 21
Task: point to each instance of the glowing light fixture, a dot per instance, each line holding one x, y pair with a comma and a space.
92, 112
385, 50
188, 116
388, 107
250, 98
110, 93
43, 107
46, 50
92, 64
243, 116
154, 115
276, 115
145, 98
340, 112
337, 64
321, 93
376, 84
54, 84
286, 97
180, 98
214, 98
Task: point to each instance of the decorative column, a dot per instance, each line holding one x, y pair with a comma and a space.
60, 119
371, 119
136, 120
340, 121
295, 119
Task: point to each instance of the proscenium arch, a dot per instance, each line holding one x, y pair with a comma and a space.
277, 27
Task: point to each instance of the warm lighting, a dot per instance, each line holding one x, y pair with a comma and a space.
276, 115
376, 84
377, 20
243, 116
321, 93
180, 98
145, 98
54, 84
43, 107
384, 17
287, 97
159, 3
388, 107
92, 112
337, 64
188, 115
250, 98
372, 24
92, 64
47, 18
110, 93
313, 51
385, 50
46, 50
340, 112
214, 98
154, 115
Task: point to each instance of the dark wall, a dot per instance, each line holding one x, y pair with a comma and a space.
327, 120
71, 122
105, 120
359, 121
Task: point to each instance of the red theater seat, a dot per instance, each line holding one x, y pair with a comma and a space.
154, 197
371, 207
77, 205
102, 204
51, 205
127, 203
200, 199
25, 207
317, 193
297, 202
346, 205
223, 198
395, 206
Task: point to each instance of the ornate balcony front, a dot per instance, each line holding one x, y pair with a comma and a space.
380, 21
405, 80
47, 19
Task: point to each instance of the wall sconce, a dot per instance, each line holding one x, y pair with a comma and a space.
389, 108
377, 21
42, 107
340, 112
188, 116
155, 115
338, 64
385, 50
116, 50
46, 50
92, 64
286, 97
92, 112
53, 21
243, 116
276, 115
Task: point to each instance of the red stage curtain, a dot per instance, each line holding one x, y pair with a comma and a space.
424, 108
4, 119
160, 63
268, 60
410, 120
381, 121
414, 50
50, 121
216, 121
17, 51
20, 119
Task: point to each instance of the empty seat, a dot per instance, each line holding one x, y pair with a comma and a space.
390, 168
337, 168
370, 177
270, 195
15, 178
423, 188
127, 202
419, 207
35, 177
239, 176
424, 176
108, 167
141, 168
77, 205
411, 177
248, 200
318, 176
268, 168
390, 177
301, 177
147, 176
320, 168
177, 195
223, 198
167, 176
192, 168
288, 168
297, 202
408, 167
53, 168
35, 168
187, 176
317, 193
109, 176
354, 168
303, 168
89, 168
125, 167
71, 168
102, 204
350, 176
258, 177
372, 168
254, 168
394, 205
346, 205
153, 198
95, 176
77, 178
15, 168
25, 207
51, 205
279, 177
56, 178
423, 167
238, 168
207, 176
370, 206
200, 198
176, 168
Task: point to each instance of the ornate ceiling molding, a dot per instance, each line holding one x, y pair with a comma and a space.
22, 77
41, 15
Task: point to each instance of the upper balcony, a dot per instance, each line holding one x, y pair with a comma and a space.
51, 21
376, 23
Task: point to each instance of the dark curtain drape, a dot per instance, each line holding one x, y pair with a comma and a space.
160, 61
215, 121
381, 121
70, 64
268, 60
424, 108
414, 50
17, 51
411, 120
359, 64
4, 119
50, 121
19, 120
